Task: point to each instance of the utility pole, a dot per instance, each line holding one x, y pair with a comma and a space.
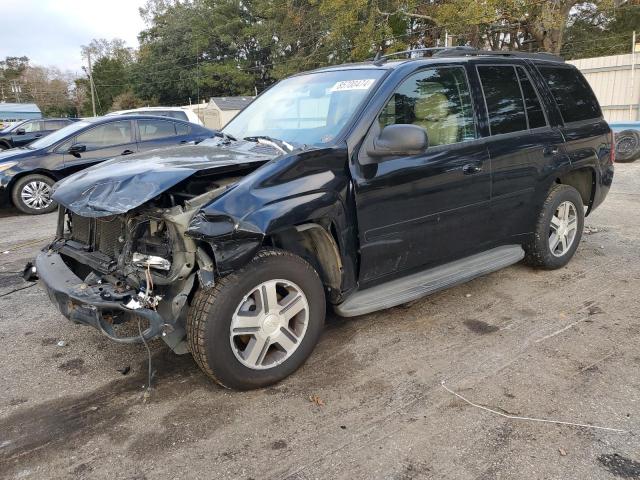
634, 47
16, 89
91, 85
198, 76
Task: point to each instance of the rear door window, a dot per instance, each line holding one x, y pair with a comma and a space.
503, 97
155, 129
535, 114
572, 93
182, 129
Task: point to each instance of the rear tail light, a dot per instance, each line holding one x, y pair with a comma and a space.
612, 148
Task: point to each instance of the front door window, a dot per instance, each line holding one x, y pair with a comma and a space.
436, 99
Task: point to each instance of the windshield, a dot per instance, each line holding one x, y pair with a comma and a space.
306, 109
58, 135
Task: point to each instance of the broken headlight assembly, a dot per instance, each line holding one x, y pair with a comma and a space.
150, 261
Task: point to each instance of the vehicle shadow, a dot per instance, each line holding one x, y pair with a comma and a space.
9, 212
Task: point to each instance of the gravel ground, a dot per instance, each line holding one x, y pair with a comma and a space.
560, 345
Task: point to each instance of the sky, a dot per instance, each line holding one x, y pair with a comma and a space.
51, 32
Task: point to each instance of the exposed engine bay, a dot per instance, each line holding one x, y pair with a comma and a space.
141, 259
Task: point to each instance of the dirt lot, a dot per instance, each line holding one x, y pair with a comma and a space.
559, 345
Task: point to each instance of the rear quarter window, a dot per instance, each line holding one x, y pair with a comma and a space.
572, 93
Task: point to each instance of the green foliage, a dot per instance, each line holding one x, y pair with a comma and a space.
46, 87
595, 32
194, 49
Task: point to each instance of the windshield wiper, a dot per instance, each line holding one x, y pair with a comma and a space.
281, 145
225, 136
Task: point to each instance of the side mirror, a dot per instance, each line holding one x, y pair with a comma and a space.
76, 150
399, 140
20, 131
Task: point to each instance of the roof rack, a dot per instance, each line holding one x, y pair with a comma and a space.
465, 51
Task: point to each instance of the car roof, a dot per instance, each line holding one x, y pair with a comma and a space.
118, 118
175, 109
462, 56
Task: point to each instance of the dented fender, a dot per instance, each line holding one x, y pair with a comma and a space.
236, 224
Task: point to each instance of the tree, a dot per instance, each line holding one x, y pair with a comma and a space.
126, 101
112, 65
593, 32
48, 88
10, 70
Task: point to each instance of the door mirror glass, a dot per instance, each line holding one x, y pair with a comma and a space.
20, 131
399, 140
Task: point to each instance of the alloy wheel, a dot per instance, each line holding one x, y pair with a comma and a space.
563, 228
269, 324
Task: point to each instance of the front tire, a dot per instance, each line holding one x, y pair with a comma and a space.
558, 229
258, 325
32, 195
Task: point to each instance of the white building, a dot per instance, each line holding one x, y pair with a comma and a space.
220, 110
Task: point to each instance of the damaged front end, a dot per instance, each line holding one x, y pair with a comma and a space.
131, 275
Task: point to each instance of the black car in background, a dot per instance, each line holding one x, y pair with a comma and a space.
27, 131
27, 174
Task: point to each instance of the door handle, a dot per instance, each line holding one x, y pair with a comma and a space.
127, 152
471, 168
38, 135
550, 150
182, 142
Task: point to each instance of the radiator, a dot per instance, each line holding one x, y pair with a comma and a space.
100, 234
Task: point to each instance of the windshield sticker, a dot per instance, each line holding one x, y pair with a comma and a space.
345, 85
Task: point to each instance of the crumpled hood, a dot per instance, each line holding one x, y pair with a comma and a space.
123, 183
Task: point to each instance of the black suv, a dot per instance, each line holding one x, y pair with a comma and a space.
357, 186
27, 131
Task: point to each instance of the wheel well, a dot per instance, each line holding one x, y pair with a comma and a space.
6, 144
583, 180
20, 175
315, 243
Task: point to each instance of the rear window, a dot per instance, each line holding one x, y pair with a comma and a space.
572, 93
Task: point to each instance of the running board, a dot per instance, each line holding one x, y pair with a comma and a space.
417, 285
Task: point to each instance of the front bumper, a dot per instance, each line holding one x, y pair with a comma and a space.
5, 196
92, 305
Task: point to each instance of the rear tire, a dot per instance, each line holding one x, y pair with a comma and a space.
32, 195
558, 229
239, 339
627, 146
